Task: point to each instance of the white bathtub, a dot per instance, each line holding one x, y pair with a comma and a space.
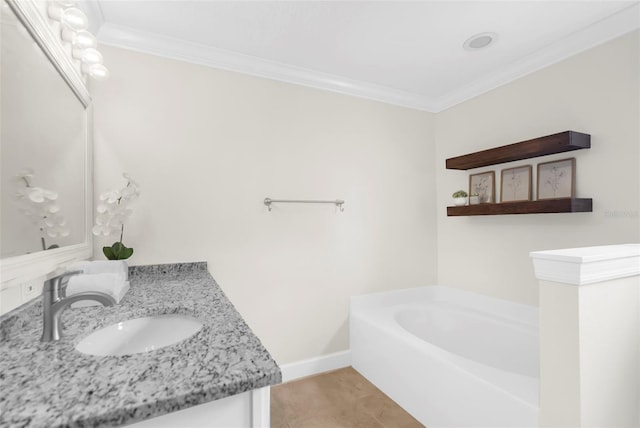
449, 357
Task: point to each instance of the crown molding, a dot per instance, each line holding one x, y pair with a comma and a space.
155, 44
612, 27
607, 29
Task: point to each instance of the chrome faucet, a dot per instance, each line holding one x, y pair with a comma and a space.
55, 301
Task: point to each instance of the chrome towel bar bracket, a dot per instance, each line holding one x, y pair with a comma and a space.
268, 201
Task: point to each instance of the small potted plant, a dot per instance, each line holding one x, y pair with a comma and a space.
113, 210
460, 198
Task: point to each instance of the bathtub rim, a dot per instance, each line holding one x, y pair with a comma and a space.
380, 313
513, 311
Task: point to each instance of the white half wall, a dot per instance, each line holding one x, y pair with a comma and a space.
207, 146
595, 92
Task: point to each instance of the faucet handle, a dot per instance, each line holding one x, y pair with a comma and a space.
59, 282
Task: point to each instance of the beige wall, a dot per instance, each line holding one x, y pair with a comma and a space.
207, 146
595, 92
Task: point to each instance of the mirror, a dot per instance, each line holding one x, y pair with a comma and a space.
42, 137
44, 147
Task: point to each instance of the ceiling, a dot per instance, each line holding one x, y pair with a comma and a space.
408, 53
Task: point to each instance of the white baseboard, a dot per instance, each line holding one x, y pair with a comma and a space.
312, 366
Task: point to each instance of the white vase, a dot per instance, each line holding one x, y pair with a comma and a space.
460, 201
474, 200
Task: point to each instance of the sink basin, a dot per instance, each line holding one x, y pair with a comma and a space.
139, 335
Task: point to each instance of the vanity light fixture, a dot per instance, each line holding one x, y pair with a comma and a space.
480, 41
74, 31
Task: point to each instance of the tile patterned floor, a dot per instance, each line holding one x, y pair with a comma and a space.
338, 399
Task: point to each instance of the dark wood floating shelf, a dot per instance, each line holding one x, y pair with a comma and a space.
556, 143
547, 206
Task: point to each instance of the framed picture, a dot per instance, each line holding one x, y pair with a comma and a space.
556, 179
482, 185
516, 184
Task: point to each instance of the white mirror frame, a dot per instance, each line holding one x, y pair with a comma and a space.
14, 271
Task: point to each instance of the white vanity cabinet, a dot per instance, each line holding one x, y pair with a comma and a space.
246, 410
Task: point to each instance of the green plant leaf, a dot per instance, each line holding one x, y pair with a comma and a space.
118, 251
126, 253
108, 253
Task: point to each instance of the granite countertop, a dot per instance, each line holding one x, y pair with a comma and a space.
52, 384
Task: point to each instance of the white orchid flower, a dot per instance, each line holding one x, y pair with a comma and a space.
116, 222
52, 208
102, 220
100, 229
131, 181
129, 192
50, 194
111, 196
36, 194
37, 204
57, 231
113, 210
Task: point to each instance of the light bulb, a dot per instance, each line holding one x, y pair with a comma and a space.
68, 35
55, 11
70, 17
85, 39
74, 18
91, 56
96, 71
87, 56
79, 39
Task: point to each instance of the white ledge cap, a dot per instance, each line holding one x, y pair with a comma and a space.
587, 265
